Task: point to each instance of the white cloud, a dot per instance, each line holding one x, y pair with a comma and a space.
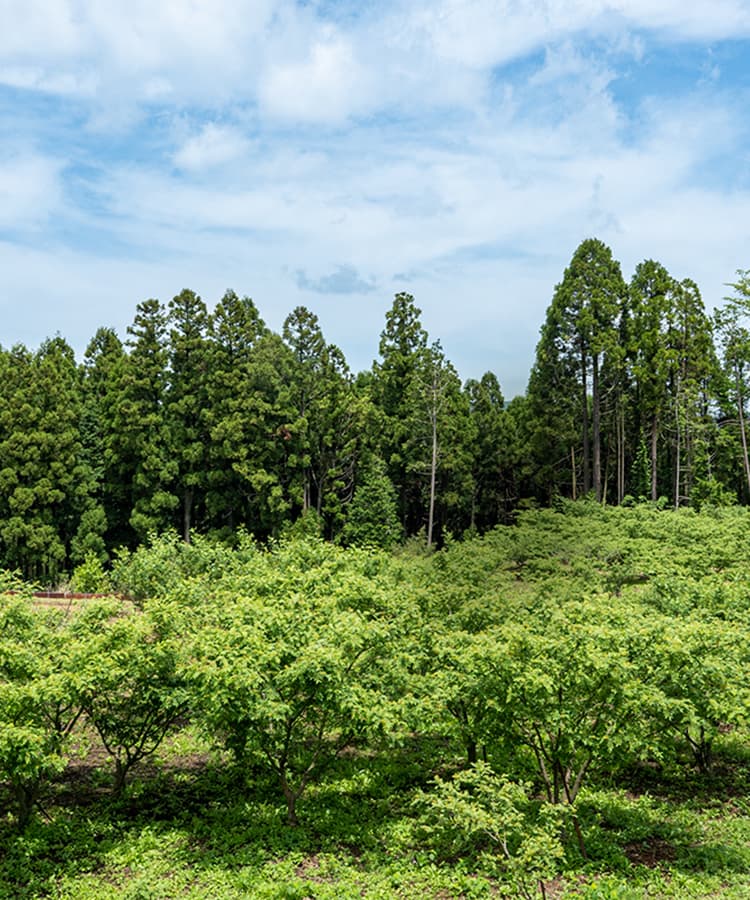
212, 146
303, 67
38, 79
703, 19
480, 189
40, 28
157, 88
387, 207
327, 85
30, 190
565, 62
202, 48
487, 33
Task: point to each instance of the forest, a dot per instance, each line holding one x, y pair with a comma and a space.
210, 423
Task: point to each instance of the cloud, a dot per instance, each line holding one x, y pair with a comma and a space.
35, 78
488, 34
700, 19
41, 28
388, 201
201, 49
343, 280
327, 84
30, 190
565, 63
301, 63
212, 146
469, 144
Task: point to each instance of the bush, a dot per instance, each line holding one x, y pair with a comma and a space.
90, 577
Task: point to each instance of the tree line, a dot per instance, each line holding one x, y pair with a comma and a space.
207, 420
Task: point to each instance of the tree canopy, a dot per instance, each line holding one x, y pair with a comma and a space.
206, 421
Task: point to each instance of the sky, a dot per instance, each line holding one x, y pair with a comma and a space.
331, 153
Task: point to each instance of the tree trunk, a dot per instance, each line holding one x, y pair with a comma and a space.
678, 453
291, 802
570, 800
121, 771
743, 431
305, 493
596, 417
702, 751
585, 425
433, 472
654, 443
25, 792
579, 836
187, 514
689, 467
620, 453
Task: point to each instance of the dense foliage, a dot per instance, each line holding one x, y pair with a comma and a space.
522, 712
205, 421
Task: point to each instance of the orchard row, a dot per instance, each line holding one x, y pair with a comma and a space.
574, 645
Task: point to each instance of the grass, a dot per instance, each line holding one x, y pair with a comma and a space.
193, 826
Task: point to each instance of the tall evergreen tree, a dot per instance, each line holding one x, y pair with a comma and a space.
259, 436
45, 484
402, 342
186, 401
101, 375
550, 417
235, 328
693, 367
581, 328
733, 327
325, 434
141, 444
494, 483
303, 336
372, 515
652, 292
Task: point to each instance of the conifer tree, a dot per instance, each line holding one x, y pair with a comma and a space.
372, 515
652, 296
402, 342
491, 453
141, 441
186, 401
45, 484
259, 436
101, 372
325, 434
733, 327
581, 328
693, 368
235, 328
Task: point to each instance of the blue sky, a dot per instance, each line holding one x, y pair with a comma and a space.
330, 154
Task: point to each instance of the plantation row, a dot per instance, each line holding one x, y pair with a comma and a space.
575, 645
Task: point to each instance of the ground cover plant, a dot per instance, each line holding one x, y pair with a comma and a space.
558, 708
